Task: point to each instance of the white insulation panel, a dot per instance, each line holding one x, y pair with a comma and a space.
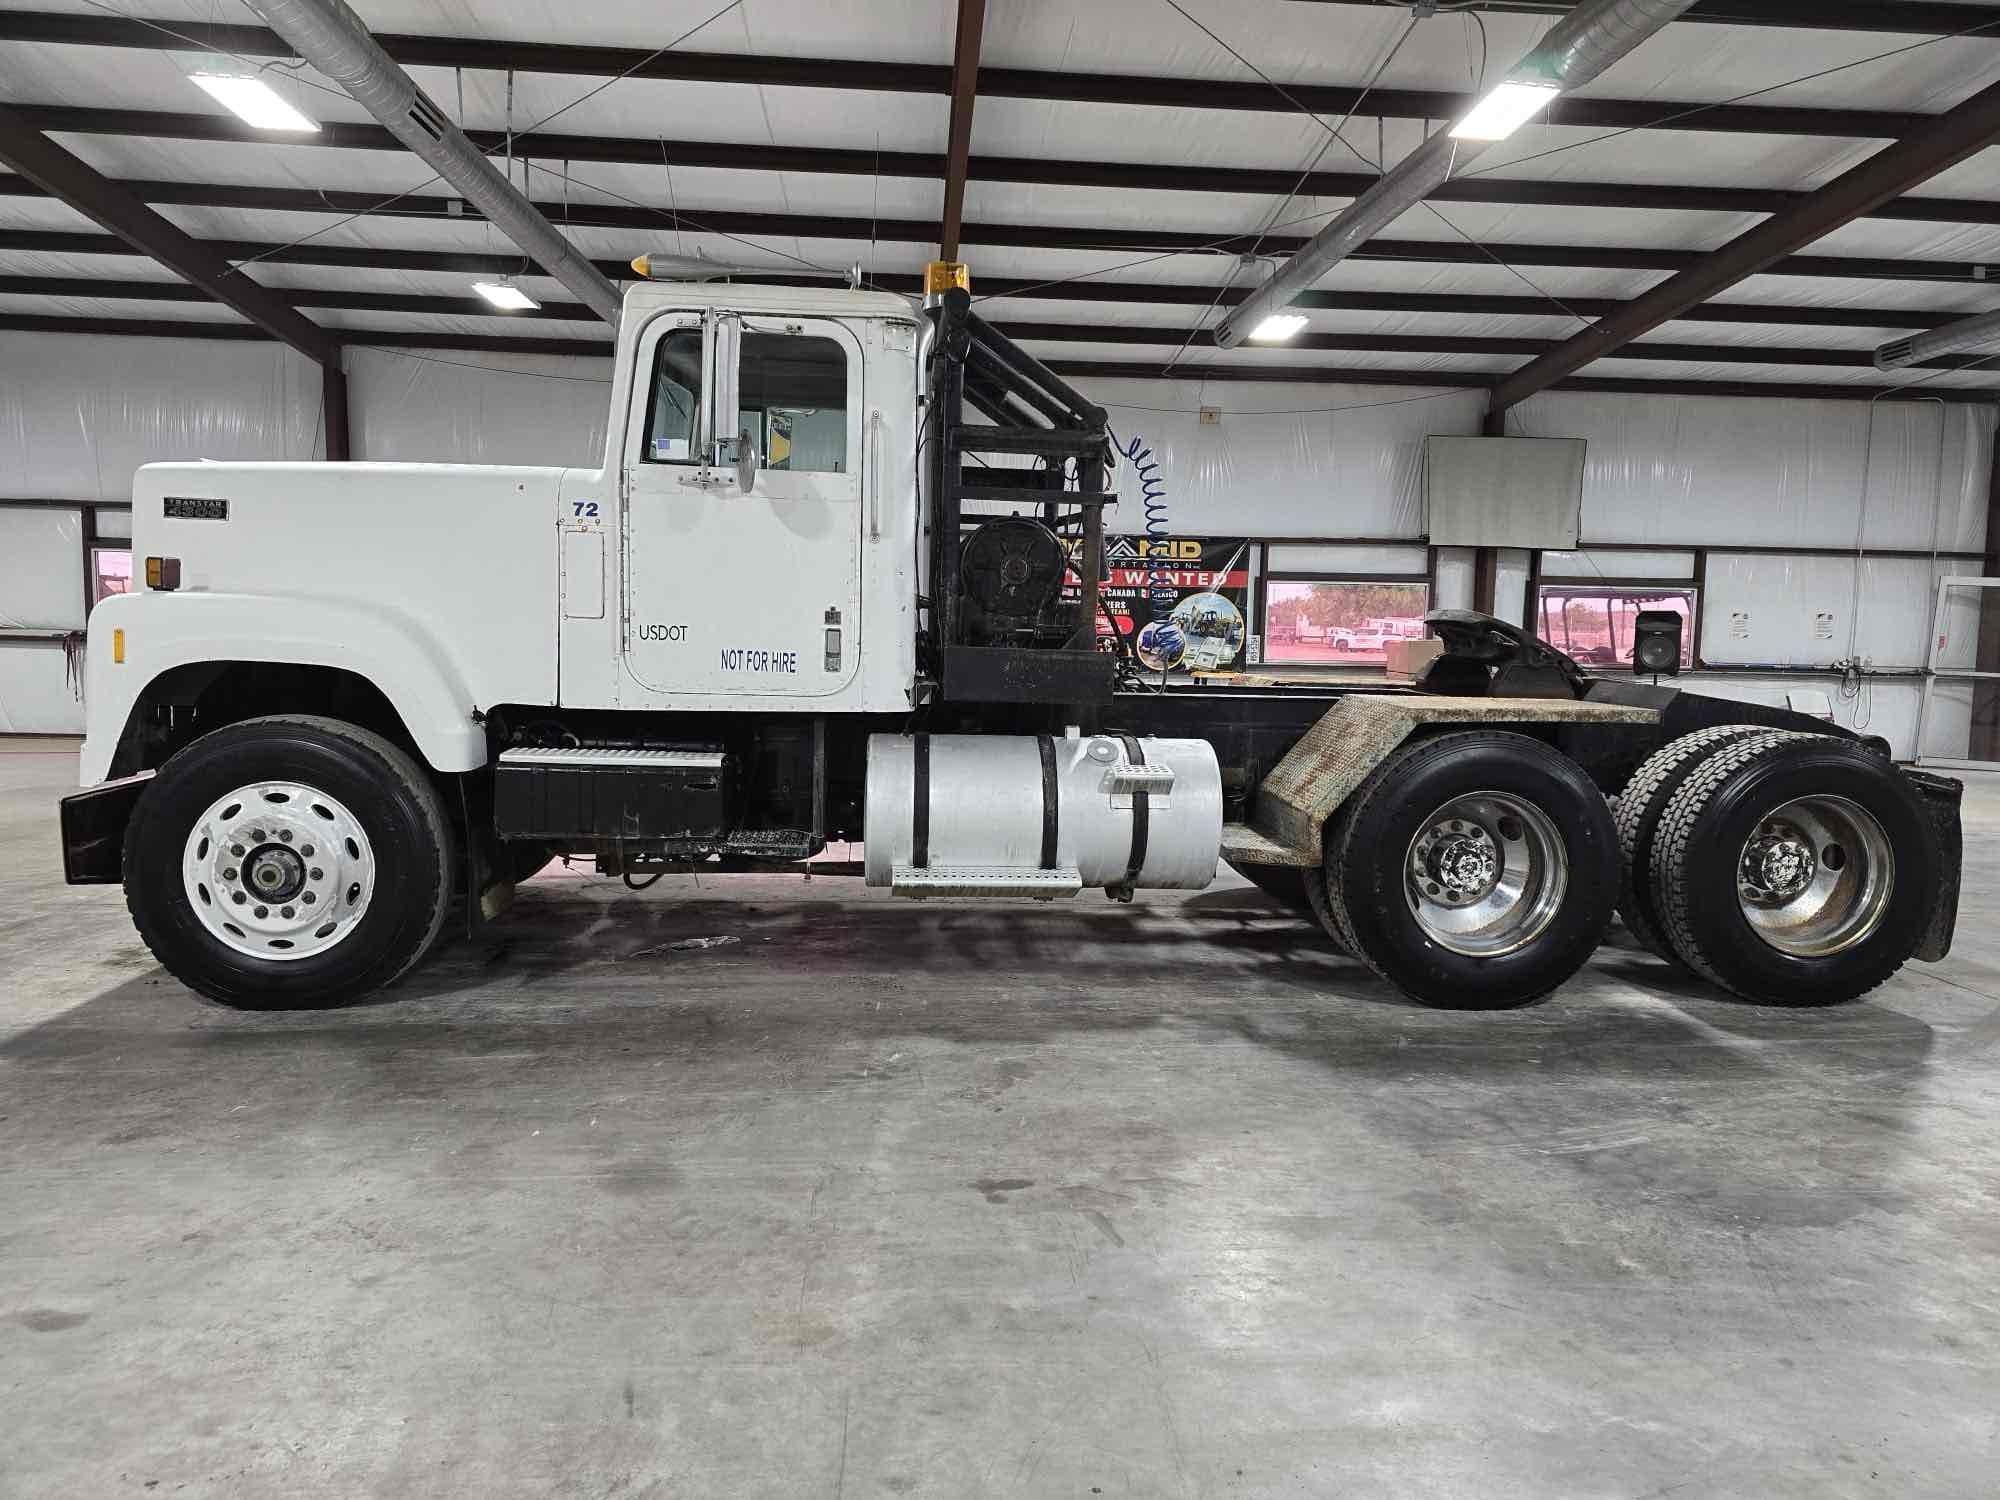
1288, 463
41, 569
37, 694
1708, 471
80, 412
1765, 610
419, 407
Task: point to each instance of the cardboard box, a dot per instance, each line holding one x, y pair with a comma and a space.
1407, 658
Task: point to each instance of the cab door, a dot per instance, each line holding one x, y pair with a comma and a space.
734, 592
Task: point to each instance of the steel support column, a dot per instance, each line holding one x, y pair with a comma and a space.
958, 149
333, 411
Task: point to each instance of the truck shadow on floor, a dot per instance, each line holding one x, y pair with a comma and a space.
821, 985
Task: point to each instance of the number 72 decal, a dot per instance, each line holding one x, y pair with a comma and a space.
582, 509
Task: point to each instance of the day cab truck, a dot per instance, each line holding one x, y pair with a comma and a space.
815, 592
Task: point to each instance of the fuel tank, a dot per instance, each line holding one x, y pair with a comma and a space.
1040, 814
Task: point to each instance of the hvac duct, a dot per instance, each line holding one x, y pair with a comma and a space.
1964, 336
335, 41
1576, 49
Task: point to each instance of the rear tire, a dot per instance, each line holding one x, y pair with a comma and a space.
1637, 812
289, 861
1297, 889
1795, 870
1473, 870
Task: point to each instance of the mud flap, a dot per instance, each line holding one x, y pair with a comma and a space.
1941, 796
93, 830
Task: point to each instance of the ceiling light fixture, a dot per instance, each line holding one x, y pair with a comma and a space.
505, 296
252, 100
1509, 106
1277, 328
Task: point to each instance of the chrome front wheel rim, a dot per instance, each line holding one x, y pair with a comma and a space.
1815, 876
1486, 874
278, 870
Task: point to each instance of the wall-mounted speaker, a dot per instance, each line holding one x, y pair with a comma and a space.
1656, 642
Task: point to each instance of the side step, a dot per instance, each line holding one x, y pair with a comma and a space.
984, 880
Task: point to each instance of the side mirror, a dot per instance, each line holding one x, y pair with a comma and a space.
746, 462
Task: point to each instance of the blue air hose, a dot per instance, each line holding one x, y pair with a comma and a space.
1161, 595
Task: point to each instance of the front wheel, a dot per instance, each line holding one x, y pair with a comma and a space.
288, 861
1474, 870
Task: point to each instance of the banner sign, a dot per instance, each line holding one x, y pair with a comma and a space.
1202, 585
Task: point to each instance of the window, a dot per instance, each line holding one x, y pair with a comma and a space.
791, 399
1340, 623
793, 393
110, 572
676, 395
1592, 623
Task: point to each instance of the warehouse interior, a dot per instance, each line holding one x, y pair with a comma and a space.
768, 1184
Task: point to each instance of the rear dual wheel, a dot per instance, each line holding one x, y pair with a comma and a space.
1474, 869
1793, 869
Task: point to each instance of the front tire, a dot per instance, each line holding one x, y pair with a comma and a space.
289, 861
1474, 870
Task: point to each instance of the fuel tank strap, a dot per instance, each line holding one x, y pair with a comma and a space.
920, 811
1051, 820
1142, 813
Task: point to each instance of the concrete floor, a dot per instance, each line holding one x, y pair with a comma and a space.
877, 1199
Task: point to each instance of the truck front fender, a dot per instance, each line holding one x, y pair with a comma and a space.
134, 638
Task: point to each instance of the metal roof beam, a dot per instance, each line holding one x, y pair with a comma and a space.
1115, 369
1960, 132
958, 137
869, 75
56, 172
1133, 176
1164, 294
1025, 237
432, 305
1904, 18
1448, 343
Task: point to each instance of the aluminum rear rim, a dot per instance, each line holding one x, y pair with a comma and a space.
278, 870
1815, 876
1486, 874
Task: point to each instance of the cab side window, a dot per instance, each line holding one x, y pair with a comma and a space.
676, 395
792, 389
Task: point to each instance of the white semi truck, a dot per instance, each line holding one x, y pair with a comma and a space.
815, 592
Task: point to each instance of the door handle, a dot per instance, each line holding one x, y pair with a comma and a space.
875, 476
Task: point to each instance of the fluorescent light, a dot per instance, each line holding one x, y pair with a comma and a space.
252, 100
1504, 111
1277, 328
505, 295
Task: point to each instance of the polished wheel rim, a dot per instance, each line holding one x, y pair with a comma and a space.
277, 870
1485, 874
1815, 876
